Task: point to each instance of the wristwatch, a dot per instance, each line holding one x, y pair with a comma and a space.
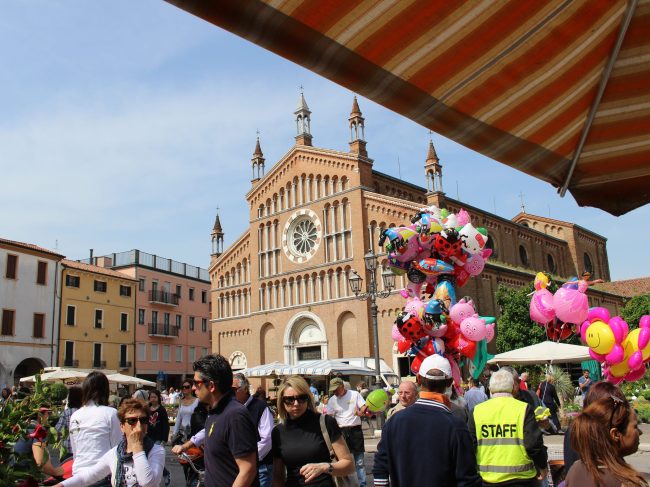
330, 469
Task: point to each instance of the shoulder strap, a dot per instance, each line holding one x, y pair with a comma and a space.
326, 435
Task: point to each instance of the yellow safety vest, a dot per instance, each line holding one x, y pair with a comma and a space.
500, 453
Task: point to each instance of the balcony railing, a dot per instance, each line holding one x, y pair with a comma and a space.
163, 297
125, 365
161, 330
70, 363
99, 364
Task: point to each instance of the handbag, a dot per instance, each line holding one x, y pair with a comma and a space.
349, 480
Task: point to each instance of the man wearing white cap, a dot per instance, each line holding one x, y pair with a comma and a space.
425, 442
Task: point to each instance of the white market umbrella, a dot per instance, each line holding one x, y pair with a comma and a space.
129, 380
56, 375
543, 353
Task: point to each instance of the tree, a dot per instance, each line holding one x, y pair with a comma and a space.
634, 309
515, 329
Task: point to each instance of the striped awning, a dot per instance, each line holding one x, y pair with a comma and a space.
265, 370
324, 367
558, 89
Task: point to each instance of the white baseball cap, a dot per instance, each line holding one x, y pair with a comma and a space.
437, 362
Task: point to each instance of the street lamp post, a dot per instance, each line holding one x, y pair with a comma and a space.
373, 293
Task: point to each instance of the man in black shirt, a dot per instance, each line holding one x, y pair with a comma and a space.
230, 435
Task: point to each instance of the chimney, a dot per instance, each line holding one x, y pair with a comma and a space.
91, 257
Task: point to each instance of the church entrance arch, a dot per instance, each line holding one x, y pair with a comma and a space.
305, 338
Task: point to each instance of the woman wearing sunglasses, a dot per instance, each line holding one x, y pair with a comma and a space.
300, 453
184, 415
135, 462
603, 434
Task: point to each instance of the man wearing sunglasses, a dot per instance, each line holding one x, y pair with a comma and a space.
230, 434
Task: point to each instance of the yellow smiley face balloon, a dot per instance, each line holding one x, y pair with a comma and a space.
600, 337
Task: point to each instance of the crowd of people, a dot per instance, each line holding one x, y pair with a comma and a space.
490, 435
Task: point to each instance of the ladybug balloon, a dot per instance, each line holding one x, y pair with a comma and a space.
409, 326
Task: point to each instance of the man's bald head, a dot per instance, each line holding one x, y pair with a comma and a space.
407, 392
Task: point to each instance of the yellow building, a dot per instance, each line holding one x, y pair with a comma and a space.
97, 325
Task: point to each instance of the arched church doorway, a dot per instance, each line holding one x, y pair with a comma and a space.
305, 339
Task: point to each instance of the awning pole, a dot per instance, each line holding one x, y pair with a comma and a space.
599, 95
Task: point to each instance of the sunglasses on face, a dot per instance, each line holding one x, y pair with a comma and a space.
187, 386
132, 421
289, 400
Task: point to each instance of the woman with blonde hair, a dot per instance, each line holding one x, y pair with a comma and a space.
300, 451
603, 434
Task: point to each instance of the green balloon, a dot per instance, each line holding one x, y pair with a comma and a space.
377, 400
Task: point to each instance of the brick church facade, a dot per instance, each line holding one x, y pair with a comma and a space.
280, 291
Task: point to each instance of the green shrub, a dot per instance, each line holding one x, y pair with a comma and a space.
643, 411
57, 391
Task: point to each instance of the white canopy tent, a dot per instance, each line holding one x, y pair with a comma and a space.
265, 370
129, 380
543, 353
323, 368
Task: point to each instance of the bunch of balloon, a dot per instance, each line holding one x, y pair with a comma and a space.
623, 354
438, 253
559, 313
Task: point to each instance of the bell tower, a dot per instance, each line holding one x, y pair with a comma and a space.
257, 161
357, 130
303, 121
217, 238
433, 173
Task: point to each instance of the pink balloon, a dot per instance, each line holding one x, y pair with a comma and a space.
395, 334
473, 328
541, 307
571, 306
599, 313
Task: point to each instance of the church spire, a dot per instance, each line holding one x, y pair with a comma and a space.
257, 160
303, 121
433, 170
217, 237
357, 130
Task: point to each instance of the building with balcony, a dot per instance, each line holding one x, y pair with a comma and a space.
280, 291
172, 310
97, 326
29, 276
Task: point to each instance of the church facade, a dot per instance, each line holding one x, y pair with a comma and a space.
280, 292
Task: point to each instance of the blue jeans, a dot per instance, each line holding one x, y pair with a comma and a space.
265, 474
361, 470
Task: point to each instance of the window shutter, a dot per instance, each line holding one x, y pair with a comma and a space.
7, 322
12, 261
41, 276
39, 325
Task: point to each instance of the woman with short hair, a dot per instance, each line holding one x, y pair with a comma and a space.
135, 462
603, 434
298, 442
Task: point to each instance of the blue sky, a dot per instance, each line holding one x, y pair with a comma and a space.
125, 124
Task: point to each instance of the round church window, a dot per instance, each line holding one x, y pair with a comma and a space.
301, 236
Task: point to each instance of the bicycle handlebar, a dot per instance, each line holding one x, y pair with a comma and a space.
184, 456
